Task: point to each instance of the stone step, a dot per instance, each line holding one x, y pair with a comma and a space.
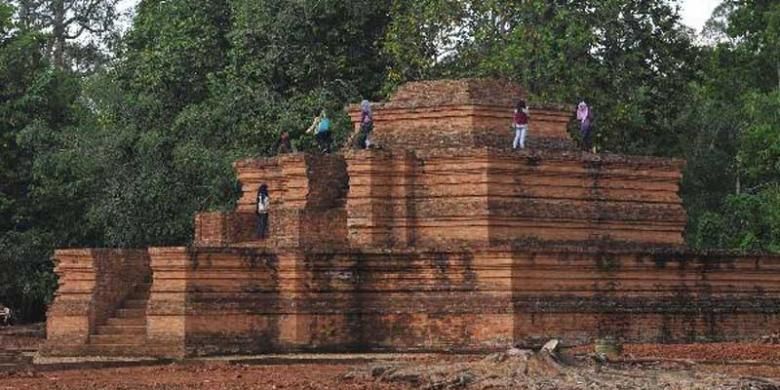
140, 321
14, 358
123, 350
134, 304
131, 313
117, 339
121, 329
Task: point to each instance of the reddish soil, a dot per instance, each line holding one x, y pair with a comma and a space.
715, 352
672, 363
742, 370
216, 376
331, 375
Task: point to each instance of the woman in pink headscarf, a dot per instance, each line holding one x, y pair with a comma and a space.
585, 116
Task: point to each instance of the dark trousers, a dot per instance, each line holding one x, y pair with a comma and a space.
324, 140
587, 137
262, 225
365, 132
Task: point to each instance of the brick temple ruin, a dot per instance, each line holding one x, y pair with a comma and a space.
442, 240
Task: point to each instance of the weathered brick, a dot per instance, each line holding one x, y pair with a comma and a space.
442, 240
92, 284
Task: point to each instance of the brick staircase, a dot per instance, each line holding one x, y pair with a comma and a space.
125, 332
18, 345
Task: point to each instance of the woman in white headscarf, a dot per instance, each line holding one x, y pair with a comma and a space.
366, 124
585, 116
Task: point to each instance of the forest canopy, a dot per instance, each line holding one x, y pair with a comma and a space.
115, 137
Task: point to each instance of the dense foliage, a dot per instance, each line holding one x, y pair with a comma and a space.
117, 140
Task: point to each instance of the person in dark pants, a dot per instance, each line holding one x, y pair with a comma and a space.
6, 315
366, 124
283, 145
321, 128
585, 116
263, 202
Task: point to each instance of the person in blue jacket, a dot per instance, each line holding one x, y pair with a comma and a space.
321, 125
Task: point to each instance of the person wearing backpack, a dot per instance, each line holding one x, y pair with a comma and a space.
322, 126
520, 124
263, 203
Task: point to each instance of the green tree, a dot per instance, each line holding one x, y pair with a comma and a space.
75, 29
197, 85
754, 26
740, 129
632, 60
34, 98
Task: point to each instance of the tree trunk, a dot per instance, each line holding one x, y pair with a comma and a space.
58, 30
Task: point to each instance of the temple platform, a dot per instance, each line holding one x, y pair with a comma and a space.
444, 239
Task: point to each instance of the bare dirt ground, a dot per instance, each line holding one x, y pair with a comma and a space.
647, 366
211, 375
449, 373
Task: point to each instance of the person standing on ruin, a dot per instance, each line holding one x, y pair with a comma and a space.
366, 124
585, 116
263, 203
283, 145
5, 315
321, 125
520, 124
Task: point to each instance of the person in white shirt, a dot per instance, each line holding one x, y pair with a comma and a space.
263, 202
5, 315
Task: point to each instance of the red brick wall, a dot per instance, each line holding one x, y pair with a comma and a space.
213, 229
443, 240
308, 194
435, 93
425, 128
92, 283
166, 320
399, 199
381, 200
254, 301
294, 181
461, 114
645, 297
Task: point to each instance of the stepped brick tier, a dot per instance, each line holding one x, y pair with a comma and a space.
442, 240
461, 113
